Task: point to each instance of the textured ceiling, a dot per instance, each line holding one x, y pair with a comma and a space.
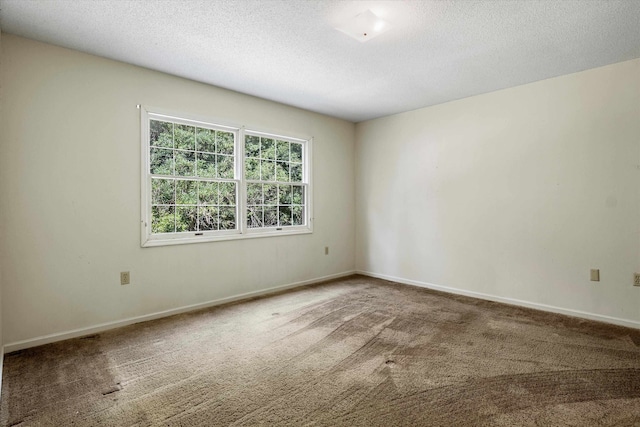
288, 50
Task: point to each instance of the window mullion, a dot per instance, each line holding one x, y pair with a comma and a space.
175, 183
241, 204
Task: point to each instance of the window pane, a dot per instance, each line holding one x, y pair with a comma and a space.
207, 218
268, 147
268, 172
161, 161
296, 173
185, 163
186, 218
161, 134
297, 215
297, 197
254, 194
224, 142
162, 191
206, 140
208, 193
252, 168
270, 194
251, 146
185, 137
284, 215
162, 219
284, 194
296, 152
282, 150
206, 165
186, 192
282, 171
228, 193
225, 166
254, 216
270, 216
227, 218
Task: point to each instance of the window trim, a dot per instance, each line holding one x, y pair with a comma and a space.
147, 239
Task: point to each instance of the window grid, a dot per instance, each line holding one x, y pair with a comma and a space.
201, 206
225, 215
274, 205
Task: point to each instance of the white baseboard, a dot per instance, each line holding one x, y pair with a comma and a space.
46, 339
553, 309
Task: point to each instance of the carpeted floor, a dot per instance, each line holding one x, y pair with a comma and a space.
353, 352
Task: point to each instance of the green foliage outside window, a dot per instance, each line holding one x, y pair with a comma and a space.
194, 187
186, 162
277, 200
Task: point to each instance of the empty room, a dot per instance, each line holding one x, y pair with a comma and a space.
319, 213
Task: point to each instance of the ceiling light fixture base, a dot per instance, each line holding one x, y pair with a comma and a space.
364, 26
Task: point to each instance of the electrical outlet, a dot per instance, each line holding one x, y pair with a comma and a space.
125, 278
326, 250
595, 275
636, 279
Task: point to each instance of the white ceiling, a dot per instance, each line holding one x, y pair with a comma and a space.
288, 50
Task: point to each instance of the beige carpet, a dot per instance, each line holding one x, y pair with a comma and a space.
353, 352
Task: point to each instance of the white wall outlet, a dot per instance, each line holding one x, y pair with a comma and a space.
595, 275
636, 279
326, 250
125, 278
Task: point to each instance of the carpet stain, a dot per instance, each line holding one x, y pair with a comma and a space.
112, 389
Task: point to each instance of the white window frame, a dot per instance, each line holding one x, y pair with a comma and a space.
148, 239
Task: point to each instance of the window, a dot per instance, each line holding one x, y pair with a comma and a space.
204, 181
275, 185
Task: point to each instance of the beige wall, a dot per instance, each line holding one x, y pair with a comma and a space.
514, 194
70, 188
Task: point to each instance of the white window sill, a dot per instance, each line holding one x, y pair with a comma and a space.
189, 238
